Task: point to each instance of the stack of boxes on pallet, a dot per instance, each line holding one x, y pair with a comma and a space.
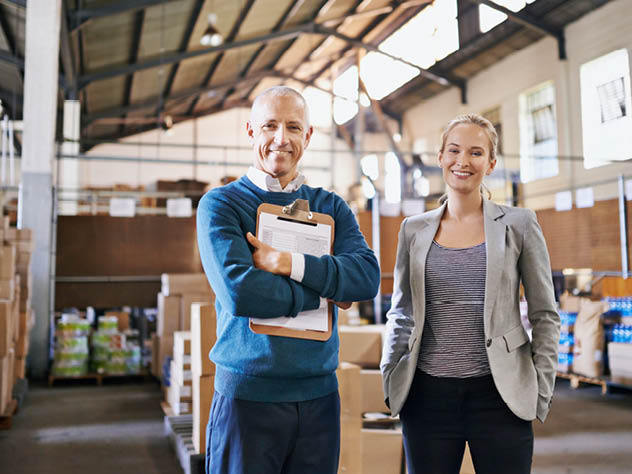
368, 450
203, 336
179, 393
16, 317
178, 292
364, 450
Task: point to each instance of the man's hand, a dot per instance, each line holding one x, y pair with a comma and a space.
342, 304
268, 259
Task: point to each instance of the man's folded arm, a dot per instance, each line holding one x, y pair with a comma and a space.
352, 273
242, 289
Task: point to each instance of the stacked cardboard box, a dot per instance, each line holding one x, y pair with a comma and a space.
22, 240
16, 318
203, 337
179, 394
178, 292
360, 389
620, 357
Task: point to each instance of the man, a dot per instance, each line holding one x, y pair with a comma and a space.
276, 407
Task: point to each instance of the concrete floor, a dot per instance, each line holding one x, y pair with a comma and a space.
117, 429
85, 429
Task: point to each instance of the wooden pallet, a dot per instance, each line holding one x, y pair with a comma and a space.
94, 376
7, 417
577, 379
179, 431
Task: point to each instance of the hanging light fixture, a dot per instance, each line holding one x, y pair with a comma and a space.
211, 37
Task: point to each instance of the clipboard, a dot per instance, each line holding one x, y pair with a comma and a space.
298, 214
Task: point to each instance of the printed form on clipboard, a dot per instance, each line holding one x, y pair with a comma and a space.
293, 232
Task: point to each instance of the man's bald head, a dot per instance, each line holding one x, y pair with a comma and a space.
279, 91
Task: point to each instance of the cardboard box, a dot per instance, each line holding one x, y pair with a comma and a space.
620, 359
7, 261
19, 369
181, 283
154, 367
187, 300
6, 380
361, 345
179, 404
181, 375
168, 314
7, 289
22, 345
23, 260
122, 317
182, 347
166, 350
382, 451
372, 393
6, 327
203, 337
350, 390
350, 445
203, 389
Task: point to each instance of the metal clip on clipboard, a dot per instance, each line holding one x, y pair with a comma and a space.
299, 210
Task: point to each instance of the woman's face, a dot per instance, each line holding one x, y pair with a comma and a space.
465, 158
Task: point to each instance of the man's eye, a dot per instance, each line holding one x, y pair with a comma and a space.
268, 126
453, 150
476, 153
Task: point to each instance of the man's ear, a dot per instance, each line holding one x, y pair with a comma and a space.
440, 159
308, 135
250, 132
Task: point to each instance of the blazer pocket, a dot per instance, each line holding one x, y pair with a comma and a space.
515, 338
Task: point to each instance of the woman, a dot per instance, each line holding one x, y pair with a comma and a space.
457, 364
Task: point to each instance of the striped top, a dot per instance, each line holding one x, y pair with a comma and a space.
453, 340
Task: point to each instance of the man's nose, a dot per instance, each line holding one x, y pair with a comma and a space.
279, 135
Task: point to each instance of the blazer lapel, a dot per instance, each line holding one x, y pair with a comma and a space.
495, 231
420, 246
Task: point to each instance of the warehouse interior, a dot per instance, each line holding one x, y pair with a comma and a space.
117, 116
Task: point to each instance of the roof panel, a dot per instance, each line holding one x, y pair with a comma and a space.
105, 94
262, 17
232, 64
267, 58
192, 71
148, 83
355, 25
298, 51
335, 9
163, 27
107, 41
306, 11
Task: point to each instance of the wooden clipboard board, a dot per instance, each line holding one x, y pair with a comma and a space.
297, 212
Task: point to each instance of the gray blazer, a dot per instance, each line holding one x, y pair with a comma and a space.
523, 370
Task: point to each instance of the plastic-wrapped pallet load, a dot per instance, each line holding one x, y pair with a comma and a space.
71, 346
589, 338
114, 352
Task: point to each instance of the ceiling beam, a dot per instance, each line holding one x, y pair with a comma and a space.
139, 21
177, 57
67, 58
525, 19
82, 16
184, 44
229, 39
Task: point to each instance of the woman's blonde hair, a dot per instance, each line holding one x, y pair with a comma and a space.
488, 128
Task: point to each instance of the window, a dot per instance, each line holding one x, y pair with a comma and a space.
538, 133
490, 17
606, 105
612, 100
346, 85
319, 104
370, 166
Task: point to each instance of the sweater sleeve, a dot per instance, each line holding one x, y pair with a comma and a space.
352, 272
241, 288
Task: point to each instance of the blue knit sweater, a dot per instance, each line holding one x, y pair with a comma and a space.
264, 368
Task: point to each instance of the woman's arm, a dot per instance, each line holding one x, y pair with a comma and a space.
400, 317
535, 270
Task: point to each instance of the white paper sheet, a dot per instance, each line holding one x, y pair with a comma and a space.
288, 236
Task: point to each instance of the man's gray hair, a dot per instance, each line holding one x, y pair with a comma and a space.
280, 91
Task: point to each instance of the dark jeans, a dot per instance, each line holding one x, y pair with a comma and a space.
442, 413
244, 437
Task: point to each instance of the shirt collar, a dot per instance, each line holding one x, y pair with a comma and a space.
267, 183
